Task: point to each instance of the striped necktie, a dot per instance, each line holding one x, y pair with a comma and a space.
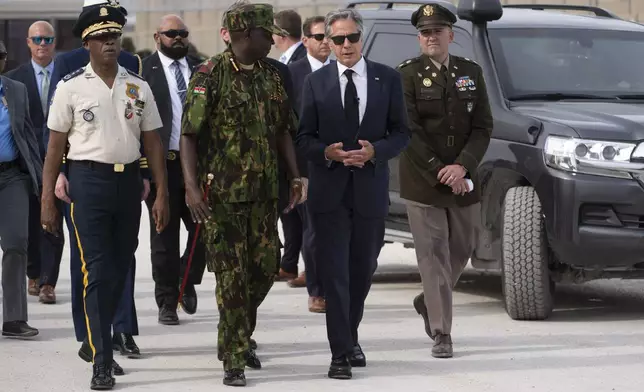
181, 82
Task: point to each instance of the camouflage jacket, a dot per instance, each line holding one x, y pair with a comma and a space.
237, 115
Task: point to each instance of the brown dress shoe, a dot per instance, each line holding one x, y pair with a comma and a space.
47, 294
284, 276
317, 305
34, 287
300, 281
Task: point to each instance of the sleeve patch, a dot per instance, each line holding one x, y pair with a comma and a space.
199, 90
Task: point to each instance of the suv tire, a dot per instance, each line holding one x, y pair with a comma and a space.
527, 287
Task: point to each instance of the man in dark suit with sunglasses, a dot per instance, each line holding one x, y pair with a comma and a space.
168, 72
352, 122
45, 250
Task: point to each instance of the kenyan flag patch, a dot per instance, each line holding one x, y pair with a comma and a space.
199, 90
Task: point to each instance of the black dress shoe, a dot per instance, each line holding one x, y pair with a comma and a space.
340, 368
357, 358
253, 344
442, 347
421, 309
18, 329
85, 353
252, 361
189, 299
102, 378
235, 378
168, 315
125, 344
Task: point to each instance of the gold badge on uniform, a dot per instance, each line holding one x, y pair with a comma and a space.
427, 82
103, 11
132, 90
428, 10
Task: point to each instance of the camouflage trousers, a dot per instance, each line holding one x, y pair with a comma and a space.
241, 242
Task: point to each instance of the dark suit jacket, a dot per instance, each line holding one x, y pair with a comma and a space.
23, 133
25, 75
322, 123
299, 54
154, 74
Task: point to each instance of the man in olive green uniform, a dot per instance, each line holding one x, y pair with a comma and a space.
236, 118
451, 123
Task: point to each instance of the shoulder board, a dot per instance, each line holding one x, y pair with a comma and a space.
270, 67
72, 75
465, 59
208, 65
407, 62
136, 75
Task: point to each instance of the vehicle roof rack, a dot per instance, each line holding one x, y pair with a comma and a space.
598, 11
387, 5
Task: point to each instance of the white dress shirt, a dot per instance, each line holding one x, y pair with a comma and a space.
286, 56
359, 79
177, 106
315, 63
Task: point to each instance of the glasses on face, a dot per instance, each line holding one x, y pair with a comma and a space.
39, 40
3, 56
317, 37
176, 33
339, 39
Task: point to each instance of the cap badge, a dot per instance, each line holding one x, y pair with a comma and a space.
103, 11
428, 10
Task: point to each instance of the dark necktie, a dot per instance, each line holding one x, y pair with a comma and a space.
351, 109
444, 72
181, 82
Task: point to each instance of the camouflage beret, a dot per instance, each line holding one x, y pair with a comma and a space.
432, 15
252, 16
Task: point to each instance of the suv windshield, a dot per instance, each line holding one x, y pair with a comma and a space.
575, 63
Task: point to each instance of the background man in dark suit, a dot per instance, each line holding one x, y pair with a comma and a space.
168, 72
45, 250
298, 231
125, 320
291, 45
20, 175
353, 121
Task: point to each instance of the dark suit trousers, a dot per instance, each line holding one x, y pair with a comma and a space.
292, 226
45, 250
349, 245
106, 215
168, 266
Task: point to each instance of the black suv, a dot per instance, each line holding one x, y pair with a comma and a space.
563, 177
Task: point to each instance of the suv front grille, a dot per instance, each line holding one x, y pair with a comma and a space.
605, 215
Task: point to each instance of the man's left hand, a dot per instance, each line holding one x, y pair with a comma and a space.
450, 174
297, 192
360, 157
146, 189
161, 212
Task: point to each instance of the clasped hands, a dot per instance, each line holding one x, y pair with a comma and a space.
356, 158
454, 177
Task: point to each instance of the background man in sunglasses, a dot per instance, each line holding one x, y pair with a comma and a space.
168, 72
20, 176
352, 122
45, 250
317, 56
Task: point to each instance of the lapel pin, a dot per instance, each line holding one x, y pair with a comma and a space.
377, 78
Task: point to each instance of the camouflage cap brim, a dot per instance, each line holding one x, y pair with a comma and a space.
276, 30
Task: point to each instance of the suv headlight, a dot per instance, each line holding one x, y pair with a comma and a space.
597, 157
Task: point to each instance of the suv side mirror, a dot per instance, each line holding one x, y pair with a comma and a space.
480, 11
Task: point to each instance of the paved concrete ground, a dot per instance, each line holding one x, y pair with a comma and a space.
594, 342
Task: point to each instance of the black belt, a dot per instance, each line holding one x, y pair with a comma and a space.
107, 167
4, 166
172, 155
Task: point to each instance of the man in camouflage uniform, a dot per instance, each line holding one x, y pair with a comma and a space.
236, 118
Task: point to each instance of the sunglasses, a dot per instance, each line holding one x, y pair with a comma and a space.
39, 40
317, 37
339, 39
3, 56
176, 33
